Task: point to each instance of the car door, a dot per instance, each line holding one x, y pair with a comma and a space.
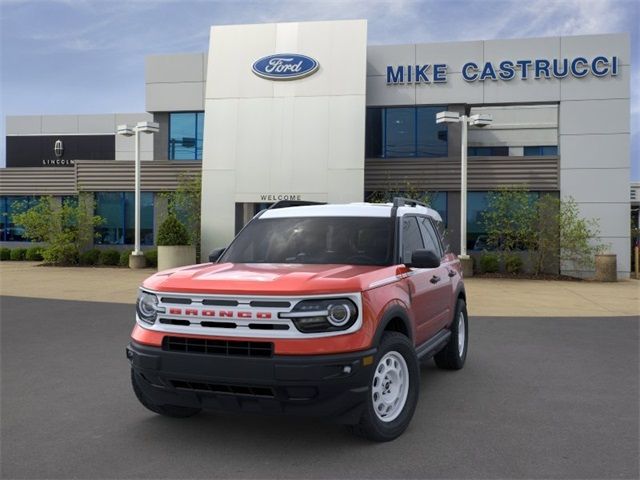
422, 290
441, 280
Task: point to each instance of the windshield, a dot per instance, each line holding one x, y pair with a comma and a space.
313, 240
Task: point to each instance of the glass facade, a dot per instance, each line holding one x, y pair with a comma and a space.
400, 132
543, 151
185, 135
10, 205
117, 210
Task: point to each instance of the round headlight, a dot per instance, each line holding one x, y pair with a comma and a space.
147, 307
339, 314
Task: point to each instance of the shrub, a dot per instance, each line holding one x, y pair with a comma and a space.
152, 258
34, 254
172, 232
90, 257
513, 263
61, 254
18, 254
124, 258
109, 257
489, 263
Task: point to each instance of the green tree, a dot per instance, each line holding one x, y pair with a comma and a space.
171, 232
509, 219
184, 204
65, 228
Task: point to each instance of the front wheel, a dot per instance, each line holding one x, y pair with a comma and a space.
453, 356
393, 392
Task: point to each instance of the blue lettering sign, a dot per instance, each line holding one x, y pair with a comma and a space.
565, 68
542, 68
421, 73
600, 66
465, 72
578, 67
397, 76
524, 65
506, 70
439, 73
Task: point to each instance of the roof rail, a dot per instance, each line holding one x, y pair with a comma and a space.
293, 203
402, 201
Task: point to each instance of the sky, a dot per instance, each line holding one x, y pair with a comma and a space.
87, 56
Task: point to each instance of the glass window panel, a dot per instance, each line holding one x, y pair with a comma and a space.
550, 150
411, 238
199, 134
182, 136
374, 133
477, 203
541, 150
432, 137
109, 206
438, 201
12, 232
429, 236
146, 218
400, 132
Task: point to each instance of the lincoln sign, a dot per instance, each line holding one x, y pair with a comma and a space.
506, 70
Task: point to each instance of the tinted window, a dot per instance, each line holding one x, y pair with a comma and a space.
401, 132
411, 238
373, 135
185, 135
430, 237
315, 240
541, 151
118, 214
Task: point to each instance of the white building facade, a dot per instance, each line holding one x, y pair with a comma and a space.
309, 111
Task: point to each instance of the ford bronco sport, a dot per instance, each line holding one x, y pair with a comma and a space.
319, 310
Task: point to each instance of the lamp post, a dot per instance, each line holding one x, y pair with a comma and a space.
136, 259
478, 120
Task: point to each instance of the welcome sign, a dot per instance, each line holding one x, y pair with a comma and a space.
506, 70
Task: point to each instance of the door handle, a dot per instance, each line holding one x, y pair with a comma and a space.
435, 279
452, 273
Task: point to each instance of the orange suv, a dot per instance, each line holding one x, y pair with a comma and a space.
313, 309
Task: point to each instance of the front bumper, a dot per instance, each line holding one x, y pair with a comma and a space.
333, 386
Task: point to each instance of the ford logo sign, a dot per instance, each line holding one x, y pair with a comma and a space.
285, 66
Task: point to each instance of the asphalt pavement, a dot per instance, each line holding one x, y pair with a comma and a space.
538, 398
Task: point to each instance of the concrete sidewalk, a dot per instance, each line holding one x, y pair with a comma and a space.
486, 297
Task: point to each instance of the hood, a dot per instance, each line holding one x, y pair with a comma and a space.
267, 279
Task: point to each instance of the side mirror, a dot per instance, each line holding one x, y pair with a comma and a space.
215, 254
424, 259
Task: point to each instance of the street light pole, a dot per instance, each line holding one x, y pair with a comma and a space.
136, 259
463, 189
478, 120
136, 247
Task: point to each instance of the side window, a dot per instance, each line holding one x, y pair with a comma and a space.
430, 236
411, 238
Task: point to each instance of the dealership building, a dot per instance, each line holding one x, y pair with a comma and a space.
309, 111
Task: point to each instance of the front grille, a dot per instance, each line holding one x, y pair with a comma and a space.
218, 347
229, 389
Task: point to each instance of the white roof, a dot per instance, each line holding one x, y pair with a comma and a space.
348, 210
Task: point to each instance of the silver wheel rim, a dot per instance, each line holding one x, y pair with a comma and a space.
390, 386
462, 332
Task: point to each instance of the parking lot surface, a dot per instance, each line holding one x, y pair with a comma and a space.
538, 398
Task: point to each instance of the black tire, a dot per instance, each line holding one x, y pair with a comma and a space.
370, 425
450, 357
175, 411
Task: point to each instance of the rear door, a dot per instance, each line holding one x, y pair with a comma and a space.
422, 289
440, 279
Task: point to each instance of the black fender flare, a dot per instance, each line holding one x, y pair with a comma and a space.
394, 311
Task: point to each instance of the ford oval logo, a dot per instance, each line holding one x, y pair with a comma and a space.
285, 66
